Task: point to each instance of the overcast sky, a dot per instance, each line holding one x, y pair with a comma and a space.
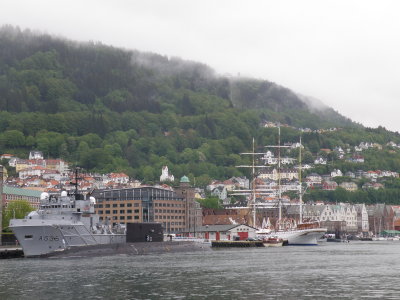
345, 53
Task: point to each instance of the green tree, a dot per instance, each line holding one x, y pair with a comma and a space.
13, 138
211, 202
16, 209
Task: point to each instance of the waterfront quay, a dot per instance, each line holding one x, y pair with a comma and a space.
11, 252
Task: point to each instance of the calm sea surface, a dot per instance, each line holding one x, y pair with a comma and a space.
355, 270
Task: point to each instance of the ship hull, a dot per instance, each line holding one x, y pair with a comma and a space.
303, 237
42, 239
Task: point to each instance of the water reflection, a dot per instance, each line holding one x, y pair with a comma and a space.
333, 270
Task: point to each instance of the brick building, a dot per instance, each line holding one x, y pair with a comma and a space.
13, 193
175, 210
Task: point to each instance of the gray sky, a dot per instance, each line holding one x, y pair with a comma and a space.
345, 53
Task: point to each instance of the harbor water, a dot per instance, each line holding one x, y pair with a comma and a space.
354, 270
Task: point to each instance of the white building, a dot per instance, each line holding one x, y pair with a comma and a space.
320, 161
34, 154
289, 174
226, 232
362, 218
341, 212
165, 176
34, 171
336, 173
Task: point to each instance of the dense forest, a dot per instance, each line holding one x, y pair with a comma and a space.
108, 110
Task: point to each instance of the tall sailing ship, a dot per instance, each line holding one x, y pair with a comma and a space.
295, 233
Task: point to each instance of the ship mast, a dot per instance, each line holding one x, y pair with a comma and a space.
279, 146
279, 180
300, 188
253, 192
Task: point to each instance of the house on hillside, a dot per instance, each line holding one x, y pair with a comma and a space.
35, 154
220, 192
336, 173
165, 175
119, 178
33, 171
329, 185
356, 159
6, 156
349, 186
313, 179
289, 174
320, 161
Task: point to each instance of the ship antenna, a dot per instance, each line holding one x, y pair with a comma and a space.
76, 180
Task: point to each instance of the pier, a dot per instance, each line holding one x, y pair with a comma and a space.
11, 252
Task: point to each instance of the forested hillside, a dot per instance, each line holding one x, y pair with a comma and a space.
109, 109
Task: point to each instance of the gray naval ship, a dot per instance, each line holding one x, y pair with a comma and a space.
62, 222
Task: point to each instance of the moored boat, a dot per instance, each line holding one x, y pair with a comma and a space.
273, 241
61, 222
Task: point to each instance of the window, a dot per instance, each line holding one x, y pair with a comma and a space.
115, 205
107, 212
129, 211
100, 212
136, 211
107, 205
136, 205
100, 205
122, 217
129, 205
129, 217
122, 211
115, 211
122, 205
136, 217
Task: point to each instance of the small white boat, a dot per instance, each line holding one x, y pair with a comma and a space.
273, 241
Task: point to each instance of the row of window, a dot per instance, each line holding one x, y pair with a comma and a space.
138, 204
169, 204
122, 211
176, 211
20, 197
139, 198
127, 217
116, 205
122, 218
168, 217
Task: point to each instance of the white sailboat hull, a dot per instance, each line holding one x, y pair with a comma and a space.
303, 237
